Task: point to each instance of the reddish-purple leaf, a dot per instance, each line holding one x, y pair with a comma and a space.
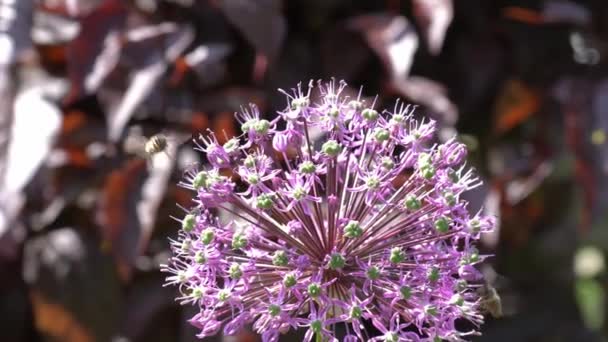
82, 52
73, 287
128, 205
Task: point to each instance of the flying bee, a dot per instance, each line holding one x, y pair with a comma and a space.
150, 148
490, 300
156, 144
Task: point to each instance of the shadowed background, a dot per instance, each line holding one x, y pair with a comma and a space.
84, 218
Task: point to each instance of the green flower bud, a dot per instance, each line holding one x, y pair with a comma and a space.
453, 175
223, 295
352, 229
405, 292
213, 179
449, 198
307, 167
239, 241
188, 222
247, 125
442, 225
387, 163
397, 255
398, 118
235, 271
457, 300
300, 103
197, 293
316, 326
200, 180
474, 226
289, 280
314, 290
471, 257
336, 261
280, 258
207, 236
433, 274
264, 201
331, 148
299, 193
274, 310
412, 202
231, 145
369, 114
249, 161
372, 182
200, 258
356, 105
424, 159
381, 134
391, 337
373, 273
431, 310
253, 179
181, 276
356, 312
186, 245
474, 256
334, 112
428, 172
261, 126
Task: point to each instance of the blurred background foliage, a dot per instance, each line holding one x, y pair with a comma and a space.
84, 219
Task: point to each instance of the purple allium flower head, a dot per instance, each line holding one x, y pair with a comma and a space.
368, 228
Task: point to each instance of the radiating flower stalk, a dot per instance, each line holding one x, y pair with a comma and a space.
366, 227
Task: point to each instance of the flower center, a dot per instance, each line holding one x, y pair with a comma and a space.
336, 261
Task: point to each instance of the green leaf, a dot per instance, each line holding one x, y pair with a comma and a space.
590, 298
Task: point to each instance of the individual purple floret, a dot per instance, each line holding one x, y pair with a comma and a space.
368, 229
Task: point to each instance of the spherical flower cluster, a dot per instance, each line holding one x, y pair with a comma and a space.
365, 228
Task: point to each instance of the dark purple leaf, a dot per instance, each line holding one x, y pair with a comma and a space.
260, 22
128, 206
518, 189
73, 287
146, 307
432, 95
566, 11
392, 38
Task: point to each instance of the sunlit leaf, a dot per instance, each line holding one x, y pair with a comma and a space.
434, 16
392, 38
